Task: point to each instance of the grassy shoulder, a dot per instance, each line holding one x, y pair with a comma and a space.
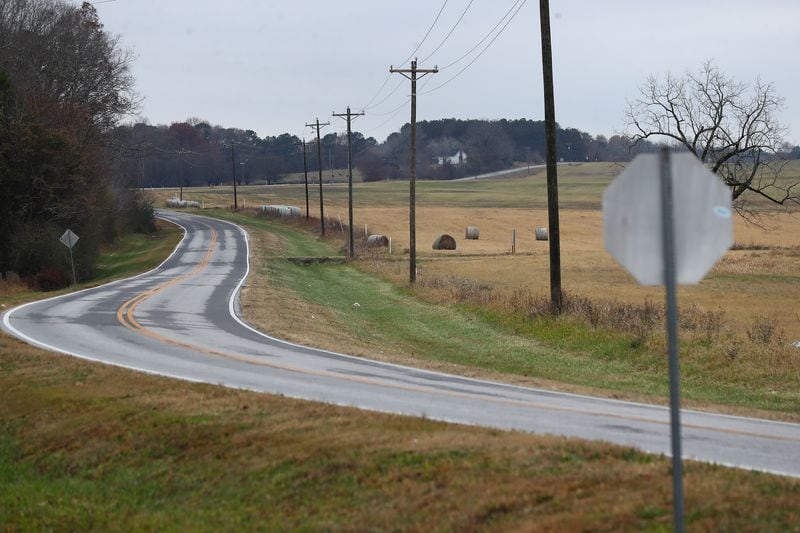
350, 310
87, 446
131, 254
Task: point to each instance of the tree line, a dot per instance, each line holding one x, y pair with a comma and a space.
64, 85
193, 152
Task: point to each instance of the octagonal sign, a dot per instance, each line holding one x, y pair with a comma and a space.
703, 227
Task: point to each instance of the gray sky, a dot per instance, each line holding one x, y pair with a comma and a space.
272, 66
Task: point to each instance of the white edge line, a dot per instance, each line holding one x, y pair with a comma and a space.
235, 292
11, 329
235, 316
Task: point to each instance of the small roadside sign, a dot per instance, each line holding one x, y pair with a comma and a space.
69, 239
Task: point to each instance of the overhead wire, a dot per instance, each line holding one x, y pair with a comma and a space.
385, 122
489, 34
366, 106
394, 112
399, 83
439, 14
522, 3
389, 75
446, 37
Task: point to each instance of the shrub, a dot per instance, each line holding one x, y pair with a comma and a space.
50, 279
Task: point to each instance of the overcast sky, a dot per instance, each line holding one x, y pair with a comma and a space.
272, 66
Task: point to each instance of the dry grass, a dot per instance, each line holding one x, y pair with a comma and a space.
757, 278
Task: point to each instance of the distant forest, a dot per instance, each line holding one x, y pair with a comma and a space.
196, 153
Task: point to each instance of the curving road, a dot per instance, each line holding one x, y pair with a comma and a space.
180, 320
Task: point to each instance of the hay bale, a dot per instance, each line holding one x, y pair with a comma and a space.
175, 202
472, 233
279, 211
541, 234
377, 241
444, 242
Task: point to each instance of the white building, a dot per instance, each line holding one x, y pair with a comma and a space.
459, 158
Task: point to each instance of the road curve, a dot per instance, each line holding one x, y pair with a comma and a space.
180, 320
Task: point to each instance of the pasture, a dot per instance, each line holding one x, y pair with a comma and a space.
758, 281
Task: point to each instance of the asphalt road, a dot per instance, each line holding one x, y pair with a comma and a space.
180, 320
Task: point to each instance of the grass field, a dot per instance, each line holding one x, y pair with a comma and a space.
85, 446
758, 281
415, 327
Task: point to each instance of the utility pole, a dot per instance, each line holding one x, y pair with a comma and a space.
181, 153
317, 125
413, 74
349, 117
305, 171
556, 296
233, 175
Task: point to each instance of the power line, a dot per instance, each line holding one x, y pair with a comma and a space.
426, 34
394, 112
388, 76
450, 32
484, 37
479, 54
385, 97
385, 122
385, 81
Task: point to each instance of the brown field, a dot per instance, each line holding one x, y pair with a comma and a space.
761, 280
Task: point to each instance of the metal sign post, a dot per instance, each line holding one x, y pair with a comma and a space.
69, 239
681, 245
668, 242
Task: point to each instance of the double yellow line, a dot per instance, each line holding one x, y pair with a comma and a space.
127, 309
125, 315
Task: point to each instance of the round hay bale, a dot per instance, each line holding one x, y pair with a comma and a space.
541, 234
444, 242
377, 241
473, 233
282, 211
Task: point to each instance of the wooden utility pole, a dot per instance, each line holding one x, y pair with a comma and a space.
317, 125
413, 74
349, 117
181, 153
233, 175
556, 296
305, 171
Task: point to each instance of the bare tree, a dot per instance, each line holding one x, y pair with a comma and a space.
731, 126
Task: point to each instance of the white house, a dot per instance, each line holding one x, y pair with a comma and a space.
459, 158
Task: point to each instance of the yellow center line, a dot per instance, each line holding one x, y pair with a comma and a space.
125, 315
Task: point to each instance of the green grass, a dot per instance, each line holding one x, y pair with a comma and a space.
136, 252
131, 254
581, 187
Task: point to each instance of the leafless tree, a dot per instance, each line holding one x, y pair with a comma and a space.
731, 126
